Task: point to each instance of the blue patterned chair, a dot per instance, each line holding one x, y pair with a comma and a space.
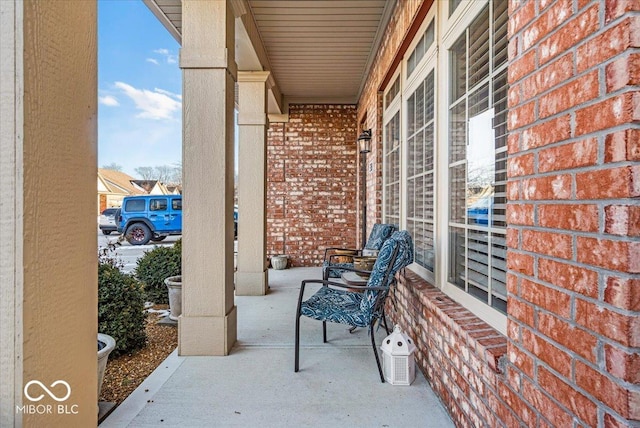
332, 268
334, 302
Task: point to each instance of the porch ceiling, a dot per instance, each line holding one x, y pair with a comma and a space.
317, 50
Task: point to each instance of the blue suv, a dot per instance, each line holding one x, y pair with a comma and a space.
150, 218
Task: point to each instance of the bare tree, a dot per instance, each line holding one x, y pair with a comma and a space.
146, 172
164, 173
113, 166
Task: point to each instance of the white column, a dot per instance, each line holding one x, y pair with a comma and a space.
252, 275
208, 322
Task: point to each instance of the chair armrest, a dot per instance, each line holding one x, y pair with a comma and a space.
324, 283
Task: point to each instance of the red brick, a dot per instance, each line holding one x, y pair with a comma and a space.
520, 214
569, 277
623, 293
520, 165
619, 327
549, 243
547, 407
521, 360
623, 365
520, 311
617, 8
612, 183
603, 388
572, 94
623, 71
546, 23
522, 67
513, 188
547, 188
612, 42
606, 114
569, 35
615, 255
513, 143
518, 262
579, 341
513, 97
546, 78
570, 217
548, 132
612, 422
517, 405
546, 298
546, 352
623, 220
522, 17
307, 197
512, 237
522, 116
566, 394
623, 146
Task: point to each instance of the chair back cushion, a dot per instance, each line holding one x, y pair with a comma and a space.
387, 266
379, 234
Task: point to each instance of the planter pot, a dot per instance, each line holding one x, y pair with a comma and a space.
106, 344
279, 262
174, 285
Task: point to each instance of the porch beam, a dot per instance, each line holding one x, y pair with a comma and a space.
252, 275
207, 325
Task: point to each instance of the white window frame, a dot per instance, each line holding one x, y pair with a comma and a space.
388, 114
409, 84
447, 31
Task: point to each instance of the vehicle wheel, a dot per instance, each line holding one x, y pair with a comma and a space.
158, 238
138, 234
106, 232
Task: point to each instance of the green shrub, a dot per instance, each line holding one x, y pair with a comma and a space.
121, 308
157, 265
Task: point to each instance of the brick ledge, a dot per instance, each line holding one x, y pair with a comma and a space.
477, 334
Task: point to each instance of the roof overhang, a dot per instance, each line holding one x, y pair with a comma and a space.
317, 51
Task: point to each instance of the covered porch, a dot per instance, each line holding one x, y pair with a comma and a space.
337, 385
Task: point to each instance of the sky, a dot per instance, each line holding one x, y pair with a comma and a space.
139, 88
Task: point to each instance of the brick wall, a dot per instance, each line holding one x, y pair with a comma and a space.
574, 255
311, 182
571, 356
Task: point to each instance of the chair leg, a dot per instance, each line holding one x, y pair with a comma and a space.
375, 351
384, 321
297, 342
324, 332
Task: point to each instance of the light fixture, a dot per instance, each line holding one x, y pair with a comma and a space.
364, 145
364, 141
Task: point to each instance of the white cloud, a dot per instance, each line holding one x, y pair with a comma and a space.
108, 100
154, 104
171, 94
152, 61
168, 56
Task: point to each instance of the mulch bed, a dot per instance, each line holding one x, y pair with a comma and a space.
126, 372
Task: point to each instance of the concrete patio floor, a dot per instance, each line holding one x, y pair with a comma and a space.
337, 386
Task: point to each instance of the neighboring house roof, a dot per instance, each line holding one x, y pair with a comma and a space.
146, 185
116, 182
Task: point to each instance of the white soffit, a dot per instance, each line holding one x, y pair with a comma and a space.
318, 51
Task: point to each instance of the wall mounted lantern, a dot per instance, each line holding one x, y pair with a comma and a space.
364, 146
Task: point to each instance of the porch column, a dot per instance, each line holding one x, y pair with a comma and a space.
208, 322
252, 275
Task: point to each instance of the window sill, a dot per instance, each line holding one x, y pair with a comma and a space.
488, 343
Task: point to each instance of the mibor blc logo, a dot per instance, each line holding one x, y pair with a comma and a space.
59, 391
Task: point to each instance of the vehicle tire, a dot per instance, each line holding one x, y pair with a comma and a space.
158, 238
138, 234
106, 232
